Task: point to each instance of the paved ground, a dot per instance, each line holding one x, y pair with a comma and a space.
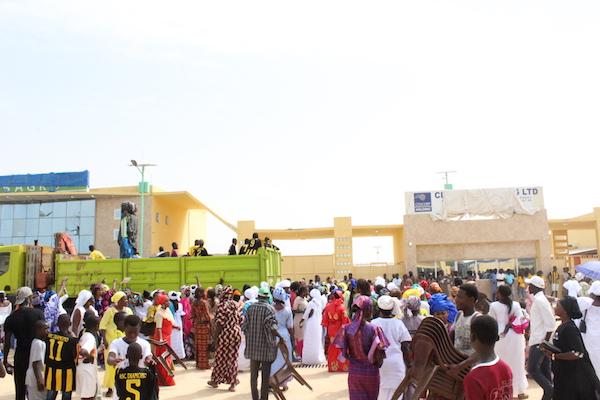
191, 384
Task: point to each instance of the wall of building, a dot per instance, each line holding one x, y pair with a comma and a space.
298, 267
522, 236
173, 223
581, 239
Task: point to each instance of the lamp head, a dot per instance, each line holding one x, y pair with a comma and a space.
134, 163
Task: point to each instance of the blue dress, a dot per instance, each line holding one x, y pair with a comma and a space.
285, 321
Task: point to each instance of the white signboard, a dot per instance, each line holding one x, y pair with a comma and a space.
432, 202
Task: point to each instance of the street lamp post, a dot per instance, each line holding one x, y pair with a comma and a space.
142, 188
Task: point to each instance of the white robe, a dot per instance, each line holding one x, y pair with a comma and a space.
313, 352
511, 348
592, 335
393, 370
177, 334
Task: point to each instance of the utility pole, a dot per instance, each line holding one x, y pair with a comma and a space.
447, 186
142, 188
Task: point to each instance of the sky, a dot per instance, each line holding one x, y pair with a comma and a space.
291, 114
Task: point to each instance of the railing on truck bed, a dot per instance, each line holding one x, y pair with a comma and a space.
171, 273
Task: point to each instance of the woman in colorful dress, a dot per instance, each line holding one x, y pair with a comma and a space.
110, 332
574, 375
364, 344
285, 327
228, 335
165, 323
334, 317
201, 319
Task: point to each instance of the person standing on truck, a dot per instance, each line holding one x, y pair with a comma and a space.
21, 324
233, 247
174, 247
194, 247
255, 244
96, 254
200, 251
244, 247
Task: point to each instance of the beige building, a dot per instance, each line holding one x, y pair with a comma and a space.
93, 217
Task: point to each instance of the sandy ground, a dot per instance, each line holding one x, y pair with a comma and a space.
191, 384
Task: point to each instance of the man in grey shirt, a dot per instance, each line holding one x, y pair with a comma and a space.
260, 328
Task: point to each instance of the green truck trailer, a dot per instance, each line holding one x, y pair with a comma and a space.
38, 266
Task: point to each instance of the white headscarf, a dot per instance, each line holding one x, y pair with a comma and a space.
83, 297
391, 286
579, 276
572, 287
251, 294
379, 281
595, 289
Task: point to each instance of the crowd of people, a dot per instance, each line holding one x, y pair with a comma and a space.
356, 326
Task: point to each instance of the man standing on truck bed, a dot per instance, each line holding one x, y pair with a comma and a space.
21, 324
96, 254
199, 251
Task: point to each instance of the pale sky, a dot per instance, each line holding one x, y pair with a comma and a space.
291, 114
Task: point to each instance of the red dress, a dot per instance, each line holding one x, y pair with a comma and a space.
167, 328
334, 317
201, 321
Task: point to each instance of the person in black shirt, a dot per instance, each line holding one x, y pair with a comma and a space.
254, 245
21, 324
244, 247
200, 251
233, 248
134, 382
61, 352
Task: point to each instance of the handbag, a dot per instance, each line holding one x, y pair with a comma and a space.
148, 328
546, 345
520, 329
582, 324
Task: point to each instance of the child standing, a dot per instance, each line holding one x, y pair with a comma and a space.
61, 351
88, 385
34, 378
490, 378
135, 382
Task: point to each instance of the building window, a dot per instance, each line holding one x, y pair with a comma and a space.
166, 220
158, 218
117, 214
116, 234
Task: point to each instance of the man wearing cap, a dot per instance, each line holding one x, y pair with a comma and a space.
542, 324
21, 324
260, 329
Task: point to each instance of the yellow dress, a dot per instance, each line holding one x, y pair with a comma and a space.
108, 324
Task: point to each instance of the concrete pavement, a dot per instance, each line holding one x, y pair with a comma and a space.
191, 384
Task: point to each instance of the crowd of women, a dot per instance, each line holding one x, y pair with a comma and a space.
360, 327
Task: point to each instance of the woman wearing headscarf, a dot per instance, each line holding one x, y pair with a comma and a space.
83, 303
165, 323
228, 335
110, 332
442, 309
285, 327
574, 376
179, 315
201, 320
511, 345
365, 345
186, 307
397, 355
412, 317
590, 327
334, 316
250, 295
312, 352
298, 309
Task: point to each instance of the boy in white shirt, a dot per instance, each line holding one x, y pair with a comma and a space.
88, 385
34, 378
